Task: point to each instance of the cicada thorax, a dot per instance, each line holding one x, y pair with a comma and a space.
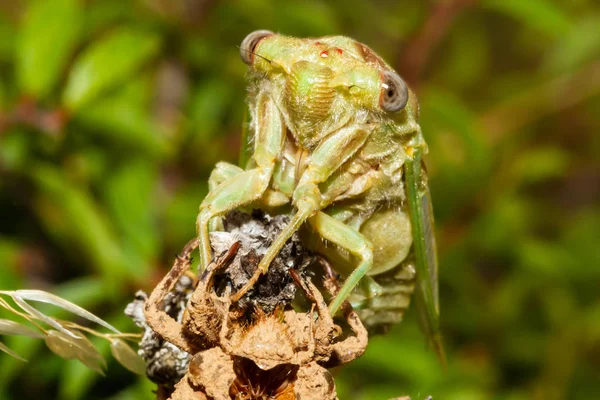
309, 100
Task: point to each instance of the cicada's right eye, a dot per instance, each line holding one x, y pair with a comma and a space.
249, 44
394, 92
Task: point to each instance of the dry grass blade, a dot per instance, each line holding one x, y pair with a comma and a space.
77, 347
45, 297
8, 327
66, 339
128, 358
41, 316
10, 352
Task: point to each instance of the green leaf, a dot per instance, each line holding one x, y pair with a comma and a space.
461, 71
137, 390
183, 203
544, 16
14, 150
7, 38
108, 63
3, 93
541, 164
308, 17
134, 216
101, 15
76, 380
26, 349
208, 105
46, 40
578, 46
70, 214
122, 122
10, 253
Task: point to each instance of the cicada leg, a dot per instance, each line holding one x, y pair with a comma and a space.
222, 172
246, 186
325, 160
351, 240
297, 220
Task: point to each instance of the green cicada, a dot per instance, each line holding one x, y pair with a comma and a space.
334, 135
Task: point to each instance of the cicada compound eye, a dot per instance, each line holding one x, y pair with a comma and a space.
249, 44
394, 92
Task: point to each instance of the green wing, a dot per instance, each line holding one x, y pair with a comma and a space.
245, 142
421, 215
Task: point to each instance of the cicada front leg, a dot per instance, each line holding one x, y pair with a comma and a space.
247, 186
222, 172
327, 158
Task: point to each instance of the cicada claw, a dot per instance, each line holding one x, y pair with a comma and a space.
251, 282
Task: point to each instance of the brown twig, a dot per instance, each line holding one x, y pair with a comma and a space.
418, 50
156, 317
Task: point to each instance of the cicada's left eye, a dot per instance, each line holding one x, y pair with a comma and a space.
249, 44
394, 92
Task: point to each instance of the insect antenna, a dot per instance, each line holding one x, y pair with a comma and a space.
256, 54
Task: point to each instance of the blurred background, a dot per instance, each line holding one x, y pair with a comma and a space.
113, 112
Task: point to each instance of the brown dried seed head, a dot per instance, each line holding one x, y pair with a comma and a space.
253, 382
315, 382
267, 342
211, 371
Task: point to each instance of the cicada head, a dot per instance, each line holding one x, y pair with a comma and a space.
322, 84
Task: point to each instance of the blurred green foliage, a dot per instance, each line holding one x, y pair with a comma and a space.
112, 114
